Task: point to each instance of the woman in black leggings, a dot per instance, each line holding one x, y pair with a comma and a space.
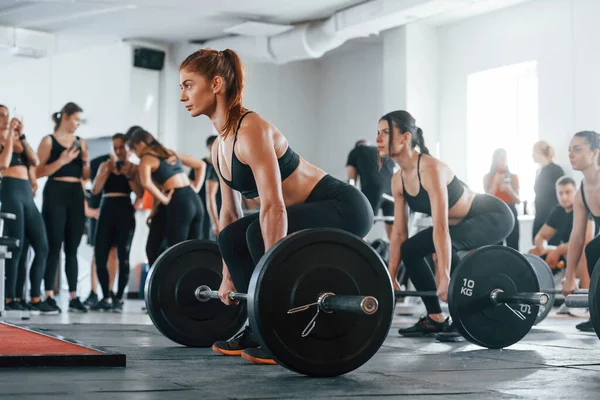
165, 167
583, 155
253, 157
16, 195
64, 160
116, 179
462, 219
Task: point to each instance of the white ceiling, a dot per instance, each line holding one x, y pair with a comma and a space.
159, 20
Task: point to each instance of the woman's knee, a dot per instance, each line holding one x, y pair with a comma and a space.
410, 251
232, 237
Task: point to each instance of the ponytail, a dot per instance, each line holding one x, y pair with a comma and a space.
68, 110
141, 136
421, 141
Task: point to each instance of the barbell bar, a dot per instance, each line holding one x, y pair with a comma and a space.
327, 302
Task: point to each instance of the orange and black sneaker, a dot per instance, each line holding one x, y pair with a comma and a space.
237, 344
257, 355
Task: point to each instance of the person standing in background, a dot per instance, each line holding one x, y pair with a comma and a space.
500, 182
375, 178
545, 195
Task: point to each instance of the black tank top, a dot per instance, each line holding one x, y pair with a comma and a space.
72, 169
17, 159
165, 170
421, 202
242, 178
596, 218
116, 184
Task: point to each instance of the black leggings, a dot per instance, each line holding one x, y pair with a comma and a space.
488, 221
184, 216
22, 270
331, 204
17, 199
116, 225
156, 242
64, 216
592, 254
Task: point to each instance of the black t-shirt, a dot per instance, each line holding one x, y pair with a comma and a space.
372, 179
211, 175
95, 199
545, 187
562, 221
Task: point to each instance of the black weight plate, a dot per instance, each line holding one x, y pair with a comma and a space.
295, 272
546, 282
171, 301
478, 274
594, 298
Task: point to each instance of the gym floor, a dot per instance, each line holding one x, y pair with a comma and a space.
553, 361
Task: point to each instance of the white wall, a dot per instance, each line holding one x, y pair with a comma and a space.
562, 35
349, 103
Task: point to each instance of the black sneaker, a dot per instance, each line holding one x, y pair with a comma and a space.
102, 305
52, 303
117, 305
586, 326
424, 327
42, 308
24, 305
91, 300
75, 305
13, 306
257, 355
237, 344
450, 333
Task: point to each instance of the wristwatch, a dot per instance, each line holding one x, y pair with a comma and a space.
22, 137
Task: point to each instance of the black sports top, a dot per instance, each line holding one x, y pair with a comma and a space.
72, 169
242, 178
165, 170
421, 202
596, 218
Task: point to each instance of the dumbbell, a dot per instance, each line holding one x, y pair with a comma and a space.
320, 300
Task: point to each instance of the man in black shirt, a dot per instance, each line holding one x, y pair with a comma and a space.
363, 163
558, 228
210, 192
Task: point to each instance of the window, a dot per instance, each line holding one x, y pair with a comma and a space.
502, 111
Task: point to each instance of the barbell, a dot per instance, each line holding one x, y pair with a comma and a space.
493, 299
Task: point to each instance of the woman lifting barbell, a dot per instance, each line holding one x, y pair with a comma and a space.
462, 219
253, 157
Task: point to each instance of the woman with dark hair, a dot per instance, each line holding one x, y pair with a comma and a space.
583, 155
162, 167
64, 160
253, 157
462, 219
545, 192
116, 179
500, 182
16, 194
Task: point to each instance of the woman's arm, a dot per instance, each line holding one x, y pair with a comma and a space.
399, 229
85, 158
30, 155
576, 242
212, 188
199, 167
7, 150
145, 174
434, 182
257, 149
101, 177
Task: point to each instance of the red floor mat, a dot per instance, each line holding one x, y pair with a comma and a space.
21, 346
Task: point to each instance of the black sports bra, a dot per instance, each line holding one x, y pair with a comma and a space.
72, 169
596, 218
422, 203
165, 170
242, 178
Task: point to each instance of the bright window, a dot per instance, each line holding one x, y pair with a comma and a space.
502, 111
